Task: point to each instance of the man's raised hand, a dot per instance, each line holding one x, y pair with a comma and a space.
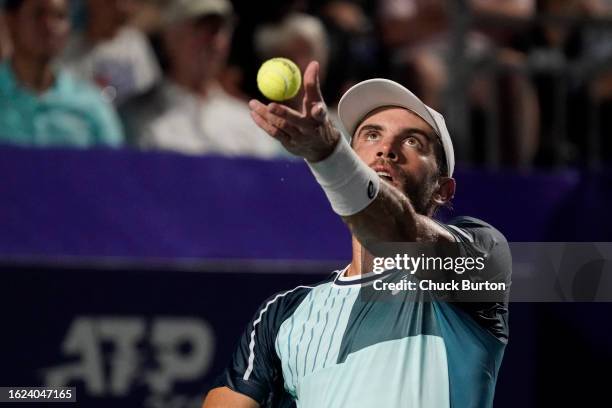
309, 133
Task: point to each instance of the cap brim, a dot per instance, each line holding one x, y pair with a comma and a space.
178, 12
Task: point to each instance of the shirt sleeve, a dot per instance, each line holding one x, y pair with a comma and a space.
110, 130
476, 238
107, 129
255, 368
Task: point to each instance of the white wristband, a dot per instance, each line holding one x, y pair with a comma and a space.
349, 184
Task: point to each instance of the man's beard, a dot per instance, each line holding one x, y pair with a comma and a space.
420, 195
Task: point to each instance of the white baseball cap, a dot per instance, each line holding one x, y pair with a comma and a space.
371, 94
180, 10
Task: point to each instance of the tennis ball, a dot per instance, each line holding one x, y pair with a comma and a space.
279, 79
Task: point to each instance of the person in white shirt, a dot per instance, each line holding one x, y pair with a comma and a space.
189, 112
111, 53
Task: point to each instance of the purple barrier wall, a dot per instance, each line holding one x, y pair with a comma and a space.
133, 204
125, 203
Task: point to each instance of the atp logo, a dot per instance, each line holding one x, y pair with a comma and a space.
114, 354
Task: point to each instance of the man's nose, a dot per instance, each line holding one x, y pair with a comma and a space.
387, 151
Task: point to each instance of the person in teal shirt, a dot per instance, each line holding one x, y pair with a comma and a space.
40, 105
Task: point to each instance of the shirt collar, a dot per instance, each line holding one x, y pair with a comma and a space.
10, 85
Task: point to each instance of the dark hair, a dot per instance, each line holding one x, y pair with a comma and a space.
12, 6
440, 158
442, 172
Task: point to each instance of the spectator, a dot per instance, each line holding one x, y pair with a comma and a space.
501, 101
504, 21
351, 37
40, 105
111, 53
189, 112
555, 59
598, 52
574, 75
299, 37
146, 15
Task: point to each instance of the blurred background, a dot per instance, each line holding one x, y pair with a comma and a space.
144, 217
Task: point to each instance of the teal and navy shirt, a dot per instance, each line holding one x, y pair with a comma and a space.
71, 113
325, 346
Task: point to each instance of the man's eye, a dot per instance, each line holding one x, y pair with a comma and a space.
412, 141
372, 136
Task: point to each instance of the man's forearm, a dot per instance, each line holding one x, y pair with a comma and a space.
223, 397
392, 218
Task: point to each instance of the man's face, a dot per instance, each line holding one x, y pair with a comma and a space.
40, 27
400, 147
202, 44
115, 12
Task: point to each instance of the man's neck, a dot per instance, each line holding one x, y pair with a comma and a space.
355, 266
362, 260
32, 73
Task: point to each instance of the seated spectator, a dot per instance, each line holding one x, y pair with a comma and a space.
473, 78
299, 37
598, 54
189, 112
572, 61
111, 53
42, 106
351, 36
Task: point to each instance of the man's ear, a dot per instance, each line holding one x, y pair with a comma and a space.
445, 191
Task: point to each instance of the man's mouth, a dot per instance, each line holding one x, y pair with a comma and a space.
385, 176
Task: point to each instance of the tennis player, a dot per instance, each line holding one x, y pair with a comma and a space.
324, 346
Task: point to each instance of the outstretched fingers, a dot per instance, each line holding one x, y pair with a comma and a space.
294, 117
268, 128
276, 126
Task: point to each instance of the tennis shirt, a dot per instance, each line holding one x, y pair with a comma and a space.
71, 113
327, 345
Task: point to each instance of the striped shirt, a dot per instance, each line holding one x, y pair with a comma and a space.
326, 345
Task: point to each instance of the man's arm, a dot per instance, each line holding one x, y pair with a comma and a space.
310, 134
391, 218
224, 397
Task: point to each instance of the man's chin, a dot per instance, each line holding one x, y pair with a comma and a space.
419, 204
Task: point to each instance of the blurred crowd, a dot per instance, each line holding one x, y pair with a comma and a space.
521, 82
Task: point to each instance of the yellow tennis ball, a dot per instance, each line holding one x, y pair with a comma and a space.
279, 79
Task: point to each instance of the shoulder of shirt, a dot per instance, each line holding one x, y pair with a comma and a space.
469, 222
309, 286
70, 84
67, 85
291, 298
464, 227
